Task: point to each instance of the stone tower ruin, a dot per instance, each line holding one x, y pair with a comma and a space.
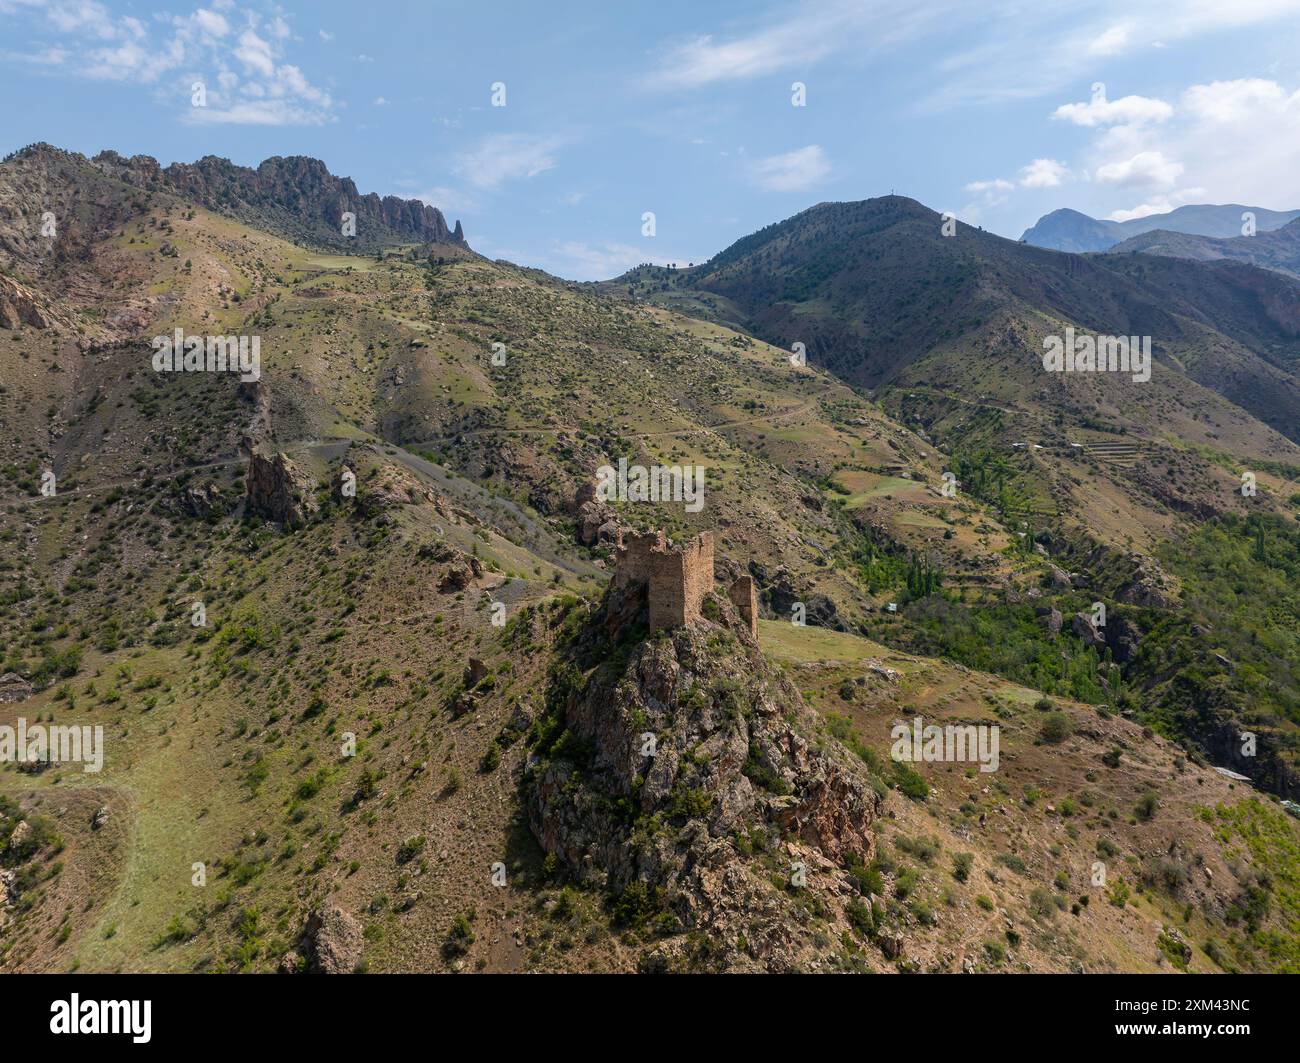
677, 577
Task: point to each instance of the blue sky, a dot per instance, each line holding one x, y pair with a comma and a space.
998, 111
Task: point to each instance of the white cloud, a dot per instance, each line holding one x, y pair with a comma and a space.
255, 53
256, 112
1129, 110
1159, 205
1235, 141
44, 57
248, 82
1043, 173
1145, 169
1017, 51
1111, 42
82, 16
796, 42
211, 22
998, 184
795, 171
507, 157
380, 101
451, 201
325, 36
121, 62
1244, 100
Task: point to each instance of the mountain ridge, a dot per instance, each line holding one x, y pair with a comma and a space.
1274, 249
294, 196
1066, 229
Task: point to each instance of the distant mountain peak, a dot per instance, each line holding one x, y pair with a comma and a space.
1071, 230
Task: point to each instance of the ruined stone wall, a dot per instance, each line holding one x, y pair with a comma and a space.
633, 557
679, 580
744, 597
677, 577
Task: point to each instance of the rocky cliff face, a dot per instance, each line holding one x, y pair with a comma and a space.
686, 779
20, 306
276, 489
295, 196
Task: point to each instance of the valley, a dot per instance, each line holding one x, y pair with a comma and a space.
360, 761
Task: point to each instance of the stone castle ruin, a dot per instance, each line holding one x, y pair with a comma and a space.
677, 577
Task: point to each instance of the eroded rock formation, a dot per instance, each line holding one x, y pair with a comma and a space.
690, 780
276, 489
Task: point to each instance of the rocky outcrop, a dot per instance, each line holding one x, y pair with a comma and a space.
1083, 626
257, 433
460, 574
277, 490
332, 941
20, 836
781, 594
14, 687
20, 306
393, 486
1149, 585
201, 500
295, 196
475, 670
688, 775
1123, 637
598, 523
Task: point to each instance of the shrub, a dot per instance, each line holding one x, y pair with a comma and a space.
460, 937
1146, 807
410, 849
924, 849
1055, 728
860, 917
961, 865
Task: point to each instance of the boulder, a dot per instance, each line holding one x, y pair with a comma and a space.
475, 670
1083, 626
1058, 578
780, 597
21, 834
333, 941
199, 500
460, 575
14, 687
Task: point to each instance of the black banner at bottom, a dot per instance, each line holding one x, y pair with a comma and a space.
152, 1011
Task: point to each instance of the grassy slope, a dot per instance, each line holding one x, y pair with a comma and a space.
336, 628
1036, 827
